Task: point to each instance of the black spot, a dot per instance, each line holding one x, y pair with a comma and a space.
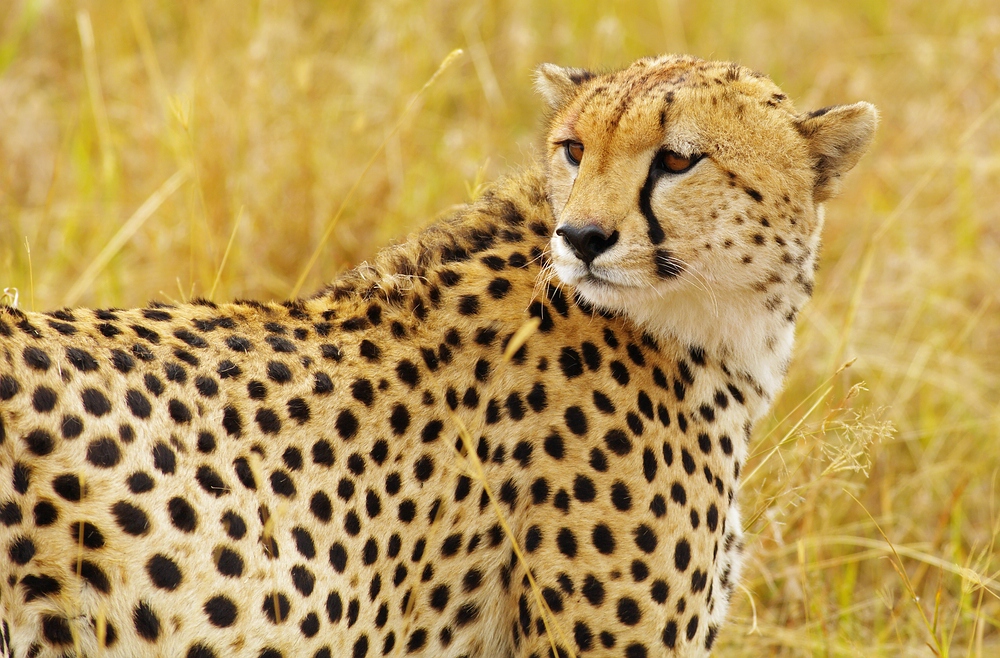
682, 555
537, 398
576, 421
39, 442
468, 305
603, 539
234, 525
482, 371
229, 563
399, 420
692, 628
408, 373
298, 410
182, 515
379, 451
498, 288
175, 372
508, 492
303, 580
8, 387
570, 363
634, 423
282, 484
538, 310
56, 631
44, 399
417, 641
338, 558
331, 352
593, 590
130, 518
688, 461
423, 468
619, 372
21, 549
561, 500
370, 351
347, 425
276, 607
221, 611
199, 650
163, 572
356, 464
138, 403
628, 611
645, 538
36, 359
279, 344
583, 489
211, 481
471, 398
566, 542
81, 359
554, 446
94, 402
322, 384
103, 453
232, 422
373, 506
140, 482
145, 621
268, 421
10, 514
621, 498
67, 486
244, 473
522, 453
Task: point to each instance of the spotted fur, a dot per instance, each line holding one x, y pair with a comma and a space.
269, 480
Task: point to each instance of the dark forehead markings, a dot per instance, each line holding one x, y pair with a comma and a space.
629, 93
596, 91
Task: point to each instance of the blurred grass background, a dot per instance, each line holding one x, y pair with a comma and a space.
143, 140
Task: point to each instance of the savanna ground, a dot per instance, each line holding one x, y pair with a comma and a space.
161, 149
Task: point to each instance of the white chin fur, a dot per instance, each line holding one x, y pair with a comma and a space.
728, 324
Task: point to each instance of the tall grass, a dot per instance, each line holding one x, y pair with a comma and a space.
156, 149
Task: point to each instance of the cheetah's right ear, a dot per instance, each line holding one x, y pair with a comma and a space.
557, 84
838, 136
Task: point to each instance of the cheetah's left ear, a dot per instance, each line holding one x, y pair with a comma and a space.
558, 84
838, 136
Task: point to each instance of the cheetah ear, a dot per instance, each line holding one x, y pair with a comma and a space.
838, 136
558, 84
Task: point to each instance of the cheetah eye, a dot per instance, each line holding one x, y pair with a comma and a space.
674, 163
574, 152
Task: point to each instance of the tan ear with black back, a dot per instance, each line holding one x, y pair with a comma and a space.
838, 136
557, 84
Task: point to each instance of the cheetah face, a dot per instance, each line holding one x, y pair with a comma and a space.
696, 178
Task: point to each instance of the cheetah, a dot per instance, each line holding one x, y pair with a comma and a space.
518, 433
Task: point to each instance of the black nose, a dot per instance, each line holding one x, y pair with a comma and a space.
587, 242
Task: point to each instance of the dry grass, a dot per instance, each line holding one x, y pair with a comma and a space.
144, 144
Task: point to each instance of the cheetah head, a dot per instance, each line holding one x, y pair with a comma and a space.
680, 186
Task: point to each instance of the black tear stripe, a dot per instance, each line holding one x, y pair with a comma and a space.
666, 266
656, 234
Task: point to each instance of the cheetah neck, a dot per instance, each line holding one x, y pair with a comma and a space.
735, 328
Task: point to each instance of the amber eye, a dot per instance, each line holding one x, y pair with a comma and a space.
574, 152
675, 163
